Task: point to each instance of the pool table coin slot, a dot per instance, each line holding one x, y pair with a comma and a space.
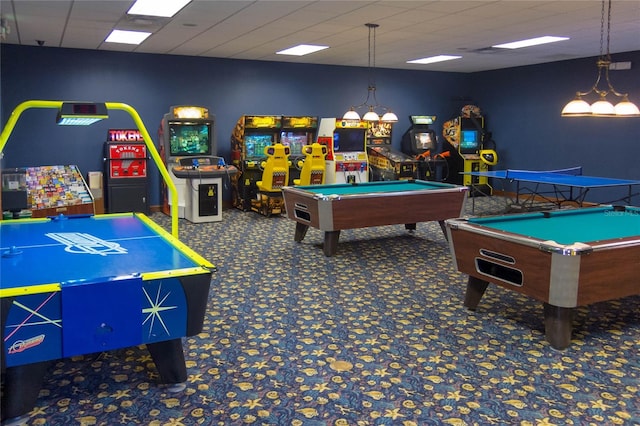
505, 274
498, 256
302, 215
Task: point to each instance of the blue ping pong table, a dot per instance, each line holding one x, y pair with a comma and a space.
78, 285
558, 186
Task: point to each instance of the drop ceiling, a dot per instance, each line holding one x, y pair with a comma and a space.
255, 30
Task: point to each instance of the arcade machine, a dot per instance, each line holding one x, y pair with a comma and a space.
469, 140
421, 143
125, 163
251, 135
346, 140
312, 168
385, 162
189, 147
296, 133
15, 194
275, 176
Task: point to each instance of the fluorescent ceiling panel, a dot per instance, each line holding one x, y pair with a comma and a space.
164, 8
127, 37
434, 59
530, 42
301, 50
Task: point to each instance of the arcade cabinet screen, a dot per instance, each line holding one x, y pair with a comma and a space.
295, 141
189, 139
256, 143
425, 141
349, 140
469, 141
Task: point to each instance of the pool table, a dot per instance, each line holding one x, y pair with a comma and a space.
75, 285
563, 258
334, 207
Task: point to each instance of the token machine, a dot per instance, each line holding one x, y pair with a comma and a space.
385, 162
346, 141
473, 148
125, 161
421, 143
189, 147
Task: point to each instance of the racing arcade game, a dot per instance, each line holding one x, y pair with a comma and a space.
297, 132
251, 135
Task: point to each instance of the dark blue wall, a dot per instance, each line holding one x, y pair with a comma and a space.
523, 108
521, 105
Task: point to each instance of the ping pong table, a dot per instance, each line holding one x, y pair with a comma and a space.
557, 187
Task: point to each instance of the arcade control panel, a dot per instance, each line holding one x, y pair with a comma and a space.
202, 167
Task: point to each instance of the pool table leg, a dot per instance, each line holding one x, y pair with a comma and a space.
558, 324
169, 360
475, 289
22, 385
330, 242
301, 231
443, 226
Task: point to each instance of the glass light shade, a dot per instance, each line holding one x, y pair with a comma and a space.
351, 115
603, 107
576, 108
625, 108
389, 117
371, 115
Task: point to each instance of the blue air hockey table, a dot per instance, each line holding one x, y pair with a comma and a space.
80, 285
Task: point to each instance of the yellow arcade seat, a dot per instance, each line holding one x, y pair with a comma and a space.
312, 171
275, 176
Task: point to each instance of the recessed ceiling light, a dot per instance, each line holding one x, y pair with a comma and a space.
434, 59
164, 8
530, 42
127, 37
301, 49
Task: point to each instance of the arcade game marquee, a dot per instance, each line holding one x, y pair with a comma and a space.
159, 285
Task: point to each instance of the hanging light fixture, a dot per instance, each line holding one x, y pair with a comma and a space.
602, 107
371, 115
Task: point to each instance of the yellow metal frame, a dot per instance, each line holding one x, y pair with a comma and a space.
13, 119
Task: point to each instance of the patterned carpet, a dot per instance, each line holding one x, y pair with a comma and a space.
376, 335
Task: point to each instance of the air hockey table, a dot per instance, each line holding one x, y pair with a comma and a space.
74, 285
